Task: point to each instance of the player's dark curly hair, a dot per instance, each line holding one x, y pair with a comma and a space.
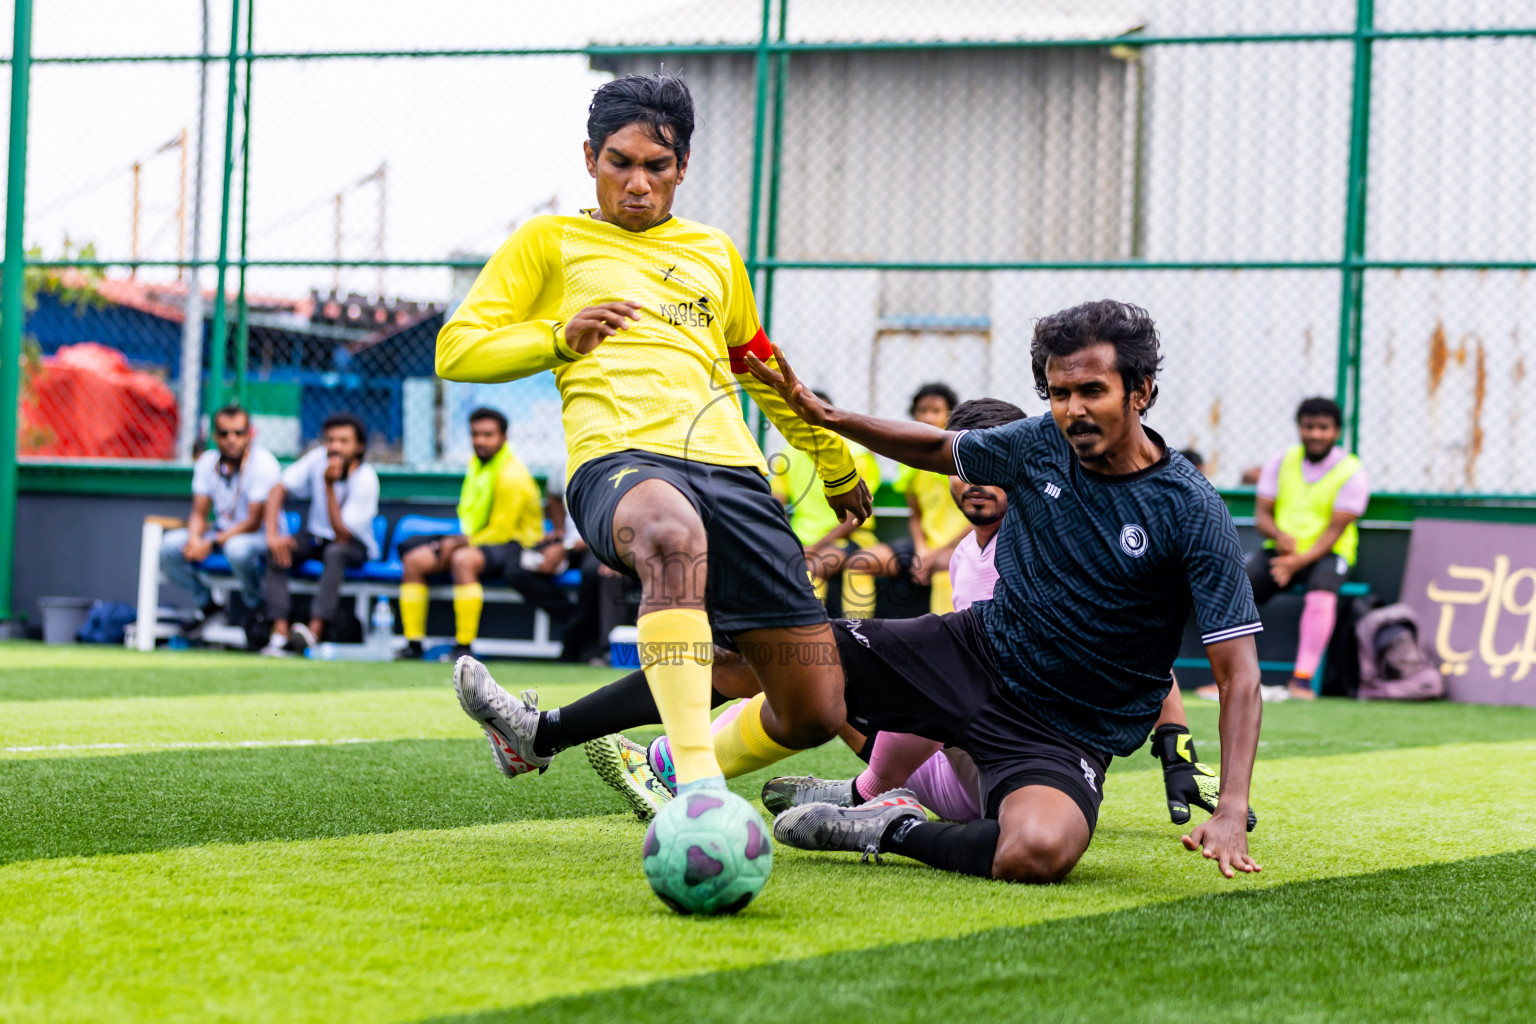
1129, 328
660, 104
1321, 407
934, 390
981, 413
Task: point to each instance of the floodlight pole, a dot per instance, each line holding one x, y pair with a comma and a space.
13, 312
192, 312
1352, 283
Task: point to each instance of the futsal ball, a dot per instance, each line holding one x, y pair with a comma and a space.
708, 852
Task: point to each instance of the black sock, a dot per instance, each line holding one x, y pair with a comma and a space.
867, 750
858, 797
623, 704
966, 849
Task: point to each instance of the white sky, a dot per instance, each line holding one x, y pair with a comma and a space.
471, 144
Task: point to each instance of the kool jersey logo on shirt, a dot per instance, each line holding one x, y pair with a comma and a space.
689, 314
1133, 540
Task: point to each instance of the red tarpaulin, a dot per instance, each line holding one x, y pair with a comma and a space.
86, 401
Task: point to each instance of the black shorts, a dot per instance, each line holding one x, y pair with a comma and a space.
499, 558
934, 676
757, 577
1327, 573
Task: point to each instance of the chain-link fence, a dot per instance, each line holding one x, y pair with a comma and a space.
1321, 197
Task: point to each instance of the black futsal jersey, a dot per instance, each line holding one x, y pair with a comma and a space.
1096, 576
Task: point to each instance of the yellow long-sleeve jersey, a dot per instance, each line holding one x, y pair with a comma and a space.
667, 384
517, 506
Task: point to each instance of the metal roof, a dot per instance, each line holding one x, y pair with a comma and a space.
863, 21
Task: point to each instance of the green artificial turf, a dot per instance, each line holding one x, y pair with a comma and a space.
68, 807
31, 671
344, 850
1445, 943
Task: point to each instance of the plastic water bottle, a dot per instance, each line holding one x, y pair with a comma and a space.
381, 631
341, 652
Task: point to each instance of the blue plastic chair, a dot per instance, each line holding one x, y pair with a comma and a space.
314, 567
217, 565
418, 526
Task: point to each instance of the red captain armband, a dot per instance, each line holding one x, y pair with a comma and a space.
758, 346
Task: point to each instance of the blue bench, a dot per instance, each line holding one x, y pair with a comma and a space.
377, 578
1350, 589
412, 525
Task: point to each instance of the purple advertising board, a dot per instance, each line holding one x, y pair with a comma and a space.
1473, 586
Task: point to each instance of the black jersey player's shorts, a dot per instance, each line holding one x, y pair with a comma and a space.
756, 577
934, 676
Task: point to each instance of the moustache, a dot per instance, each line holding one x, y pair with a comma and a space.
976, 494
1080, 429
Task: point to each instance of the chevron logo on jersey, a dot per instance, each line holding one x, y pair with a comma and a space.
1051, 491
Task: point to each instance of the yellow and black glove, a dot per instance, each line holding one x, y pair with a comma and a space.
1185, 780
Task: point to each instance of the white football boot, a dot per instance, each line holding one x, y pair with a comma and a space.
509, 723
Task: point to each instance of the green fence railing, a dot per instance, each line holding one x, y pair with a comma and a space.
773, 54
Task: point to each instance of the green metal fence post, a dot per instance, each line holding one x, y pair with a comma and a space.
221, 314
1352, 283
13, 314
242, 321
759, 128
771, 229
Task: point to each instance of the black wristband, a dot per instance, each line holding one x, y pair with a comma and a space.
1165, 745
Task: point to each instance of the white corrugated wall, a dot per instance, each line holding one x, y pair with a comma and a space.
996, 155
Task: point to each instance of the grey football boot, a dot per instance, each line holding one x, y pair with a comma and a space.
787, 791
509, 722
848, 829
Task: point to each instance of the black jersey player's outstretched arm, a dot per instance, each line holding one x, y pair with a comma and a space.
907, 441
1223, 837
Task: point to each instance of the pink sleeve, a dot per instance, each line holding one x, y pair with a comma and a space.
1269, 479
1355, 494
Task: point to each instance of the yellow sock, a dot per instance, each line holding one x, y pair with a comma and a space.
413, 610
941, 598
743, 746
468, 599
677, 654
858, 595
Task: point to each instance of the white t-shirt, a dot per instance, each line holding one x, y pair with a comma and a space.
234, 494
358, 496
554, 487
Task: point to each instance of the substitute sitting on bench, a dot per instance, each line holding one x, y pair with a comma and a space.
1308, 499
343, 495
501, 534
232, 480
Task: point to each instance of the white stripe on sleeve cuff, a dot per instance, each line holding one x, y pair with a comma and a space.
1231, 633
954, 450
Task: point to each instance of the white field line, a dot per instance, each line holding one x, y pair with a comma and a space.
210, 744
